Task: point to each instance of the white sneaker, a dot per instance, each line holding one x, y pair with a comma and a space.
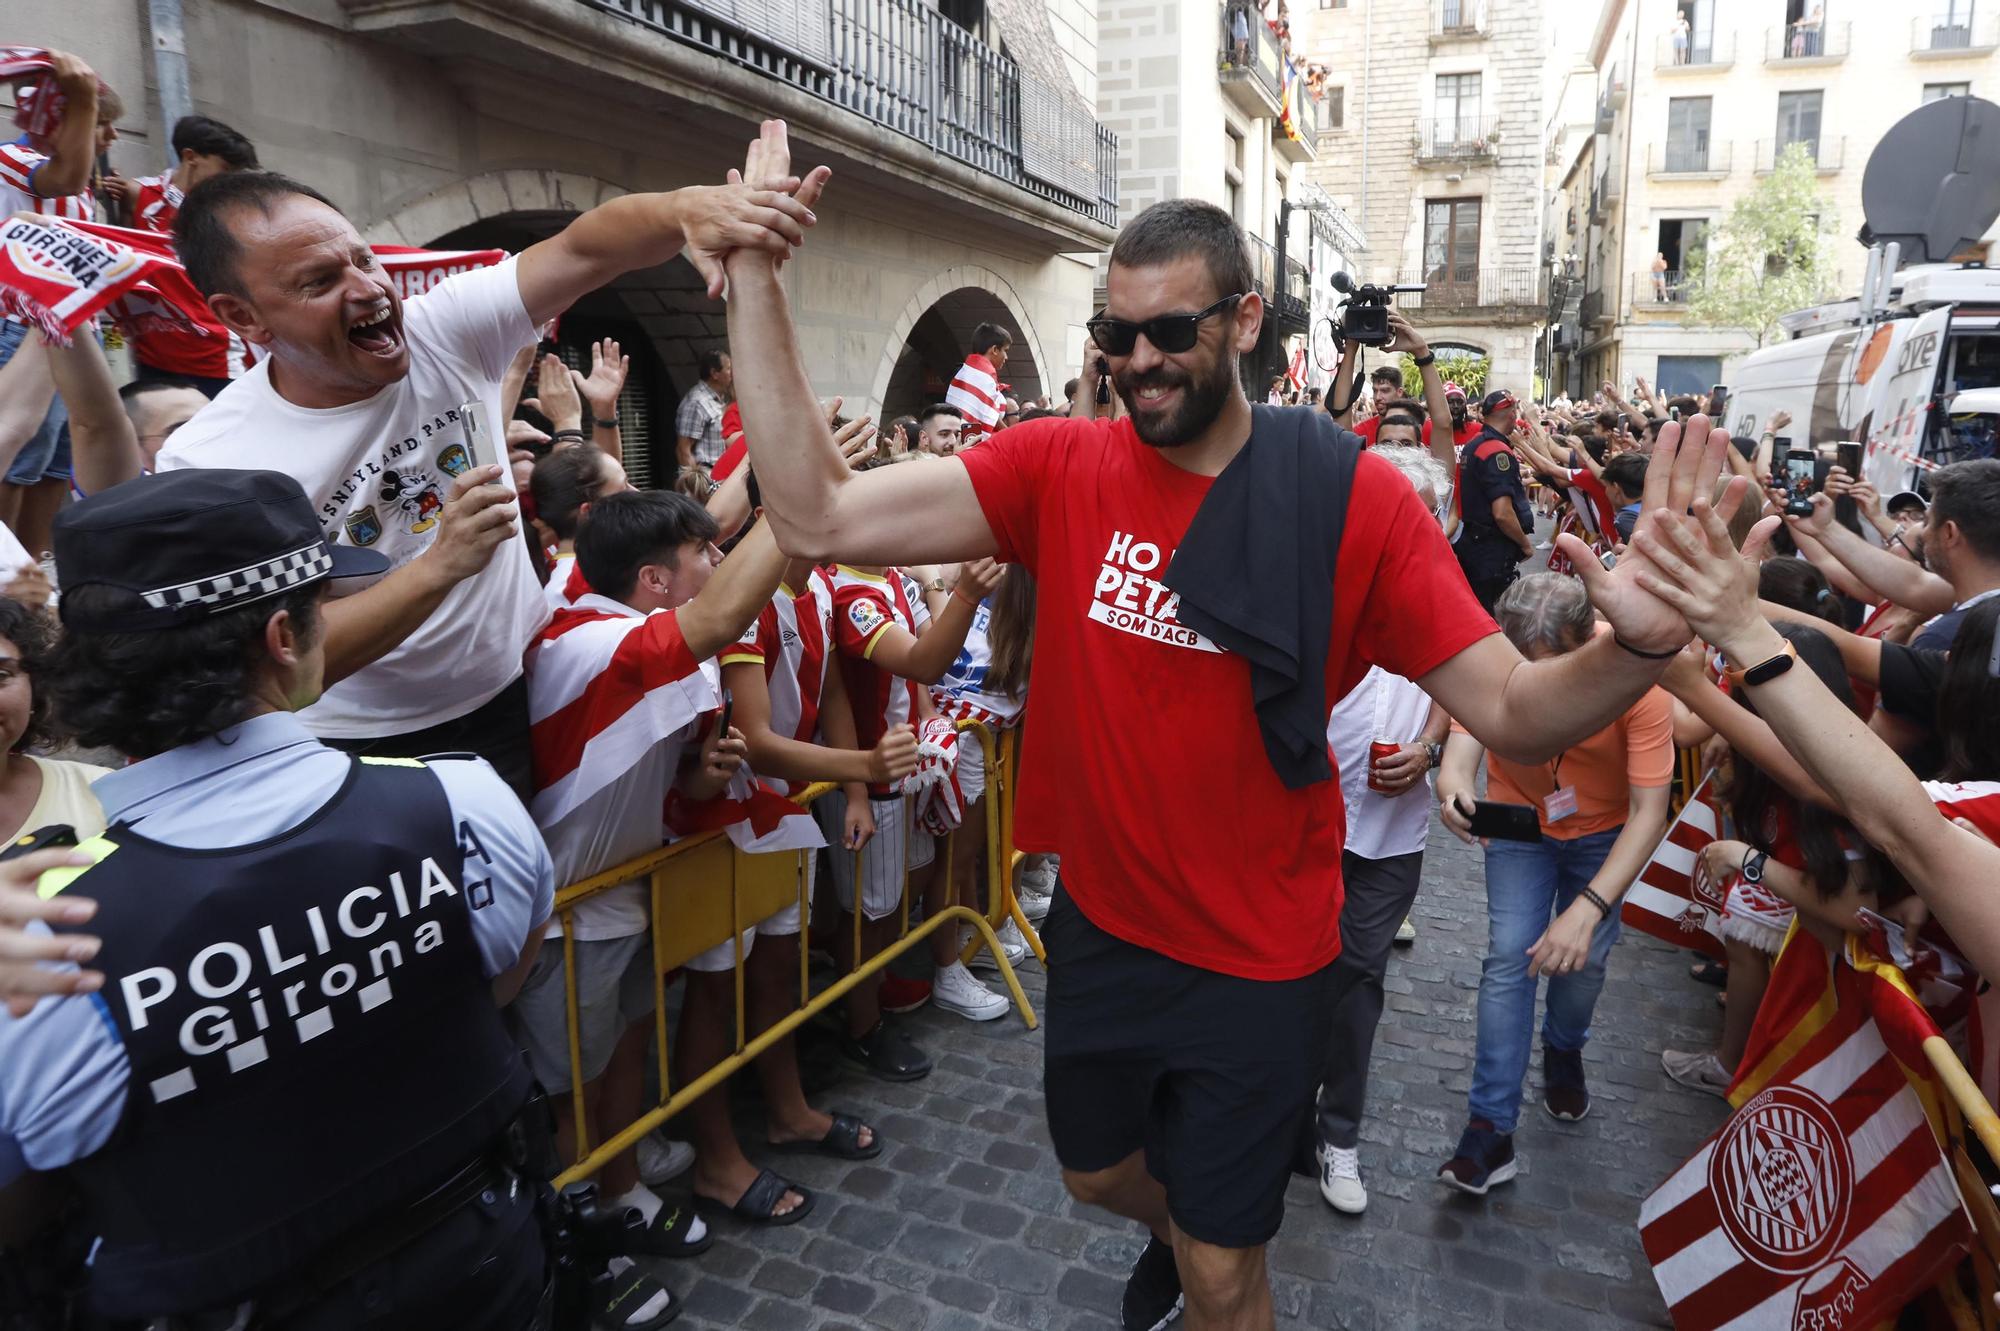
1038, 876
1035, 905
1701, 1071
954, 990
1406, 932
1011, 943
663, 1158
1340, 1180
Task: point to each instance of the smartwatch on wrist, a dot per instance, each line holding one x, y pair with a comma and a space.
1436, 753
603, 424
1764, 671
1428, 358
1753, 866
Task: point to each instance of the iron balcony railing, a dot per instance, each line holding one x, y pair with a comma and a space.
1715, 51
1954, 33
902, 65
1591, 308
1805, 40
1457, 18
1672, 287
1287, 286
1450, 287
1689, 157
1825, 151
1257, 56
1456, 136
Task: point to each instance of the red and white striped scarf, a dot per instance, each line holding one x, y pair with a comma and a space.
975, 391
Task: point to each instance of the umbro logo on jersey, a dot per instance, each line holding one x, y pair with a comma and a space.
788, 636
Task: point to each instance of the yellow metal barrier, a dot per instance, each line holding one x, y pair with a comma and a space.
687, 880
1001, 753
1968, 1109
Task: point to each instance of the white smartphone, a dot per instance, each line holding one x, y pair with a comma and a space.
478, 441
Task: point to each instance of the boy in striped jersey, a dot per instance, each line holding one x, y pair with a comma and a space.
565, 484
890, 645
620, 688
798, 728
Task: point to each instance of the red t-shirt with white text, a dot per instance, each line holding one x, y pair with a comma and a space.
1144, 766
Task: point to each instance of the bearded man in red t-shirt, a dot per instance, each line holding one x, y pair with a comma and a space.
1197, 922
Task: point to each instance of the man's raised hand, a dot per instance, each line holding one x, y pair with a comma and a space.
1682, 474
786, 201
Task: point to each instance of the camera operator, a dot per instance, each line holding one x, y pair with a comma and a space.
1493, 503
300, 949
1388, 387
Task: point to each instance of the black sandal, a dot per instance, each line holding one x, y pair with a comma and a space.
1709, 971
632, 1290
667, 1236
887, 1053
842, 1141
759, 1203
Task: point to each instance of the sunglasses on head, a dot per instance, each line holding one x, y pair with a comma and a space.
1171, 333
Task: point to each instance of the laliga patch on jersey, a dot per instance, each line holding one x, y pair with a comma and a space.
867, 616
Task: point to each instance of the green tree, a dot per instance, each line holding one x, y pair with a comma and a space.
1467, 369
1769, 256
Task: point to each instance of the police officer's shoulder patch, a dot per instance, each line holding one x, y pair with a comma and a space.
1503, 461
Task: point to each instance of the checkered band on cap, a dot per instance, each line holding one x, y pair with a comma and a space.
306, 564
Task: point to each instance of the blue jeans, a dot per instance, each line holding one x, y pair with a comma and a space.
47, 451
1527, 886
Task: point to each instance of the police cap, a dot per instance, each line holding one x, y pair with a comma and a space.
191, 543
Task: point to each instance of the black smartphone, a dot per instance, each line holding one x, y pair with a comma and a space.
1801, 473
1505, 822
1103, 382
1848, 457
728, 706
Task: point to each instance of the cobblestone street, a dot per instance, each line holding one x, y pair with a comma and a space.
963, 1223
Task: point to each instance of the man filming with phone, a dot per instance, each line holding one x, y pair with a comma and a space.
1196, 925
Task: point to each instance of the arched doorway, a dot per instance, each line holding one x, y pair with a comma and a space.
930, 339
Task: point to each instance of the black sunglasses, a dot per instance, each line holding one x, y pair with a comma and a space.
1171, 333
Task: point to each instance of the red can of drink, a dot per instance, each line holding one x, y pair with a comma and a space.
1377, 751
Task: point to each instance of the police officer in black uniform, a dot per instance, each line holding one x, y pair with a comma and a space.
1496, 524
293, 1102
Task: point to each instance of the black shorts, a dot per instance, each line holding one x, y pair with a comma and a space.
1210, 1075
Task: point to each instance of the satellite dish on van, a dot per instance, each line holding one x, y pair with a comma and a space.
1933, 183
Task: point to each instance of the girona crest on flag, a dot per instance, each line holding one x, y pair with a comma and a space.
1784, 1173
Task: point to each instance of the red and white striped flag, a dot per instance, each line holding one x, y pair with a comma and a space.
1674, 898
975, 391
1826, 1201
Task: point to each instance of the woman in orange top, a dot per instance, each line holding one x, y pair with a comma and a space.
1551, 905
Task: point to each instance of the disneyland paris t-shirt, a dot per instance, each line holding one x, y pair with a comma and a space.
378, 472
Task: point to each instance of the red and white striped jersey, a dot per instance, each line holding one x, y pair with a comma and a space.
18, 163
1978, 802
864, 606
565, 586
158, 204
613, 698
791, 641
975, 391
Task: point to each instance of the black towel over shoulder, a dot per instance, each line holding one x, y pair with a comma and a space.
1255, 574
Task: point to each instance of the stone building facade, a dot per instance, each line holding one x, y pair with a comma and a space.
969, 183
1435, 141
1685, 128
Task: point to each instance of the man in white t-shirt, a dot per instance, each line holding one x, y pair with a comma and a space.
358, 395
1388, 816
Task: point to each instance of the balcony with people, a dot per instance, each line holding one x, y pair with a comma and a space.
888, 86
1252, 62
1689, 50
1807, 38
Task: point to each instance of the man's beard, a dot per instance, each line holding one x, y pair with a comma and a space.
1458, 417
1201, 402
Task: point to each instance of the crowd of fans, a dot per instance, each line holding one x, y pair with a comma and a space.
641, 666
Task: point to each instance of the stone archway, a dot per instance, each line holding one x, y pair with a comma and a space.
418, 219
962, 293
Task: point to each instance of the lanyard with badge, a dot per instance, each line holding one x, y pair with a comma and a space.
1560, 802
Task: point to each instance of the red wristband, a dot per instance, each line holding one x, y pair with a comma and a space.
967, 599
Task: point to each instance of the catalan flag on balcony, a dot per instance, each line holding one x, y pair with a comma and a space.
1288, 103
